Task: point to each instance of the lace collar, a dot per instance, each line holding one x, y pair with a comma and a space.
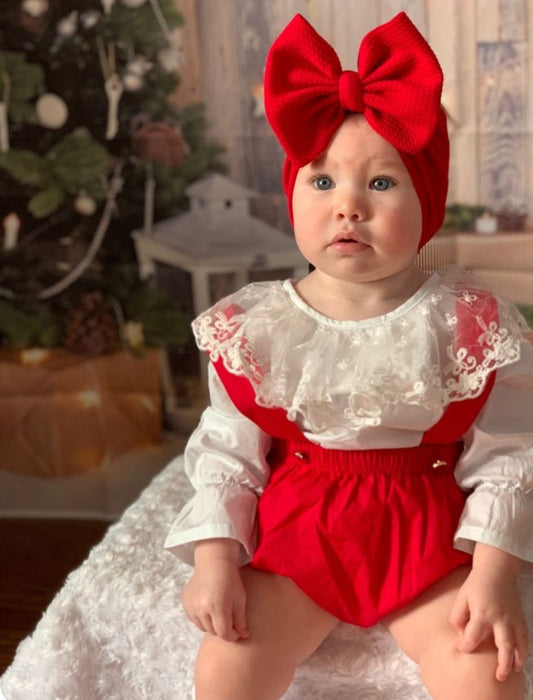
438, 346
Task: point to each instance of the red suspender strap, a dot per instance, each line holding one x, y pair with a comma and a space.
273, 421
460, 415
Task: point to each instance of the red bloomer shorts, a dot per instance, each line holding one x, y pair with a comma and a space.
362, 533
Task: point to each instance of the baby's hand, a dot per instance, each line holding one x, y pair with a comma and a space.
215, 598
488, 606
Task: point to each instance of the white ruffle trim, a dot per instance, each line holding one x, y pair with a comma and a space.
309, 364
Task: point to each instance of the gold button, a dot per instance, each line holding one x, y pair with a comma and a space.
300, 455
439, 463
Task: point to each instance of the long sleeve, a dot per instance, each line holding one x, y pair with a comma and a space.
497, 466
225, 460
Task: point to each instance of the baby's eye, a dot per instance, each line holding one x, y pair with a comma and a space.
323, 182
381, 184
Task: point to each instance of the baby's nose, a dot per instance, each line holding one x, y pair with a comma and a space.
351, 206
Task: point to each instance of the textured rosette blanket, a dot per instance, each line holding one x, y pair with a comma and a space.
116, 630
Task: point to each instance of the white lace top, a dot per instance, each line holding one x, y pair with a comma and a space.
376, 383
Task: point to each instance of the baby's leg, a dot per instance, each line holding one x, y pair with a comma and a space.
425, 633
286, 627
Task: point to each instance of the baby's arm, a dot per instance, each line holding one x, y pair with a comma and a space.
497, 469
215, 599
215, 531
226, 462
488, 607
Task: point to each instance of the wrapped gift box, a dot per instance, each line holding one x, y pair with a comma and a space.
63, 414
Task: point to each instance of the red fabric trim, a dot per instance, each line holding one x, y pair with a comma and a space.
460, 415
273, 421
458, 418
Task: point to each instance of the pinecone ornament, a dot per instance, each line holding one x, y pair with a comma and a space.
91, 328
161, 144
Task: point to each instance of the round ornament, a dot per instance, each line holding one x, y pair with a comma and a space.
133, 3
139, 65
67, 26
90, 18
132, 82
36, 8
160, 143
172, 56
84, 204
52, 111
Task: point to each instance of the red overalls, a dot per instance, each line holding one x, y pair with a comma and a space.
361, 532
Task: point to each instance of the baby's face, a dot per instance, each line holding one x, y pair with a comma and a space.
356, 212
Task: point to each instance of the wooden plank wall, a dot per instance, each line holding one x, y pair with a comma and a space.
483, 46
502, 52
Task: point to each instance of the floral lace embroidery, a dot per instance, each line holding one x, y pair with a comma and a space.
353, 372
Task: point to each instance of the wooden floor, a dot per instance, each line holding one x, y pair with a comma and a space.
35, 558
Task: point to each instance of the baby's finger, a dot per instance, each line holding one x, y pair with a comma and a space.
521, 651
459, 616
207, 624
223, 626
474, 633
198, 622
505, 643
239, 619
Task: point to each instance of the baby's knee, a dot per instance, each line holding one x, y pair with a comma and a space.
235, 670
451, 674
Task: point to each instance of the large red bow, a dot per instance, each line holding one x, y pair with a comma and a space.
307, 94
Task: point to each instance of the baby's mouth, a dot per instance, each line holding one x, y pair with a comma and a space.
348, 241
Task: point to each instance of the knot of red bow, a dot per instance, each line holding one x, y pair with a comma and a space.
351, 91
397, 88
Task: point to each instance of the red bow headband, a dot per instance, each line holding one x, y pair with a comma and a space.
397, 88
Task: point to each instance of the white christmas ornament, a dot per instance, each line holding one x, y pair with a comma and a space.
172, 57
133, 78
52, 111
90, 18
11, 224
132, 82
114, 89
84, 204
133, 3
67, 26
139, 65
35, 8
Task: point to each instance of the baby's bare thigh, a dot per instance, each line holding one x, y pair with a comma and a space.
427, 617
282, 617
283, 621
426, 634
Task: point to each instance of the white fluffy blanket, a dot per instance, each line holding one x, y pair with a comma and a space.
116, 631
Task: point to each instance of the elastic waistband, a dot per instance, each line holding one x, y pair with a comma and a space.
403, 460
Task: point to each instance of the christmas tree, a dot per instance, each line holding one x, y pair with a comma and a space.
91, 147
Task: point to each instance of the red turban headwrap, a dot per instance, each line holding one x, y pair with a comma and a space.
397, 88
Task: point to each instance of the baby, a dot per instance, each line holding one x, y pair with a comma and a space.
367, 454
